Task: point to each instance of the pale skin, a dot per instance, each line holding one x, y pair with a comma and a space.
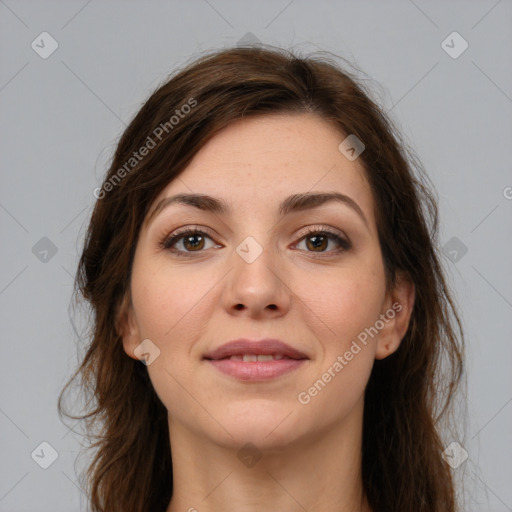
315, 298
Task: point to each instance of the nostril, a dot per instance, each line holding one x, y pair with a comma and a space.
241, 306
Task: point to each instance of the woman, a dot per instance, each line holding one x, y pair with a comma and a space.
270, 312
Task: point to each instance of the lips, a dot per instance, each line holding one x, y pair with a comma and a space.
255, 351
256, 361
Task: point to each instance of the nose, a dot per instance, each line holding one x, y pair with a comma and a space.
257, 288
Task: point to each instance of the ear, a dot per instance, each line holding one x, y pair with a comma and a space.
397, 311
126, 326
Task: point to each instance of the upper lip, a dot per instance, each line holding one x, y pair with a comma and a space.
261, 347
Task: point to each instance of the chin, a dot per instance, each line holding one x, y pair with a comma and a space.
264, 423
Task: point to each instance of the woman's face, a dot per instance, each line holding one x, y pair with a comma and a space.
260, 270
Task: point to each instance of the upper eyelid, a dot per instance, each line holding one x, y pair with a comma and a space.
207, 231
178, 234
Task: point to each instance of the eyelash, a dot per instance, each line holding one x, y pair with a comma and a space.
178, 235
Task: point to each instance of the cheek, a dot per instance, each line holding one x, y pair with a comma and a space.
169, 302
349, 303
342, 302
340, 312
171, 308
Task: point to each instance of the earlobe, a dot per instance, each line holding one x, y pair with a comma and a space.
126, 326
398, 311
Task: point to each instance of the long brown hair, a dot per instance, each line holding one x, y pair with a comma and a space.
408, 393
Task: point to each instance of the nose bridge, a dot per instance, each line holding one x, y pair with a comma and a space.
258, 244
253, 260
255, 281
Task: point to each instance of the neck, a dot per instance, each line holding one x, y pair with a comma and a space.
318, 474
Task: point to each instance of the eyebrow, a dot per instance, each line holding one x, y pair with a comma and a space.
293, 203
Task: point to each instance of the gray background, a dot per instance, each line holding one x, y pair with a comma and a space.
61, 116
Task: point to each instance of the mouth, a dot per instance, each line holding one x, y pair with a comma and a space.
256, 360
246, 358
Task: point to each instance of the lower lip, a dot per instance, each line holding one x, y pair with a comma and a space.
257, 370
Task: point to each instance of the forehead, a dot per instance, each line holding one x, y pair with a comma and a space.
258, 161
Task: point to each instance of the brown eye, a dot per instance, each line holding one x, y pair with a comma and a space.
193, 242
317, 241
186, 242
